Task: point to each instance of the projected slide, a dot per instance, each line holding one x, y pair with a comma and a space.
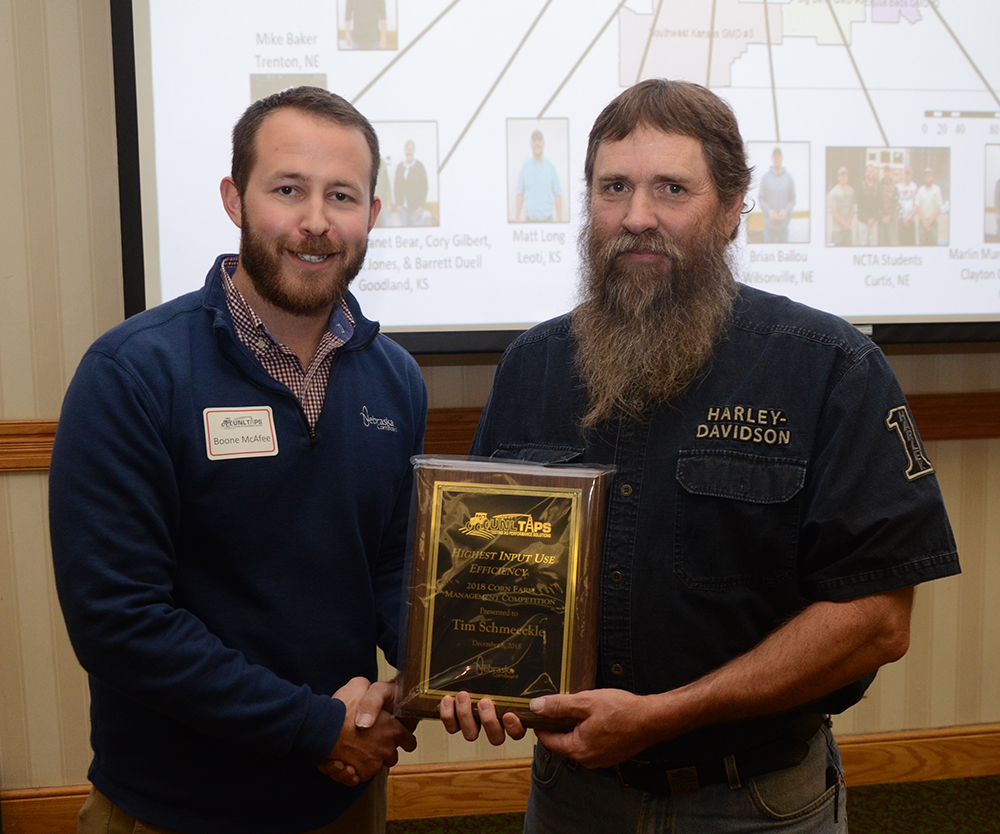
873, 126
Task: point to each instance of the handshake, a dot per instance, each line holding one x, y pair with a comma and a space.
371, 737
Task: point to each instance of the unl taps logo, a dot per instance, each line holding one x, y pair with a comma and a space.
509, 524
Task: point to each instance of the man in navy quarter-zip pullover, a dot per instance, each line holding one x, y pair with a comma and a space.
229, 495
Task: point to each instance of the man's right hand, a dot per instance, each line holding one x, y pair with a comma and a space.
367, 742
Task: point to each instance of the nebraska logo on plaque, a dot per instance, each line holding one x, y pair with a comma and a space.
503, 583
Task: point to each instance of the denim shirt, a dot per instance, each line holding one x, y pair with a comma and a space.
790, 472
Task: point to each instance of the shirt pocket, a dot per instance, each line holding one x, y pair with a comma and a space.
737, 521
538, 453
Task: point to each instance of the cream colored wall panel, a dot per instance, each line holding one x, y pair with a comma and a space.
883, 707
989, 660
102, 170
958, 370
61, 247
13, 712
74, 171
972, 600
917, 705
32, 52
16, 381
457, 749
439, 746
73, 694
969, 473
458, 386
944, 669
60, 229
984, 372
89, 279
32, 583
906, 372
430, 746
947, 593
478, 382
862, 716
520, 749
947, 373
891, 682
847, 722
972, 372
444, 386
44, 721
435, 745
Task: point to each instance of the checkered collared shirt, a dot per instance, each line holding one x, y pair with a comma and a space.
307, 384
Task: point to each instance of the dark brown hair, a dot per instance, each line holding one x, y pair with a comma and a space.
688, 110
312, 100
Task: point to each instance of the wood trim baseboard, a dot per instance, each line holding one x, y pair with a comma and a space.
27, 444
459, 789
450, 430
956, 416
501, 787
921, 755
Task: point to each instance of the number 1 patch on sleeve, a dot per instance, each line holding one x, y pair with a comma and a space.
901, 420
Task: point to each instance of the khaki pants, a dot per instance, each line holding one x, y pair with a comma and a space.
100, 815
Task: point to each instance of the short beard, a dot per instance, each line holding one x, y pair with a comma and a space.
643, 334
262, 261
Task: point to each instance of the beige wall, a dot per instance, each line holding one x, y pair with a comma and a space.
60, 286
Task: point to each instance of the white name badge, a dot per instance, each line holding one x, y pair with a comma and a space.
240, 432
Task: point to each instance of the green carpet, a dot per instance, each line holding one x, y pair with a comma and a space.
491, 824
952, 806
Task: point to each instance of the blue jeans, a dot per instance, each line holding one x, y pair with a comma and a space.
566, 798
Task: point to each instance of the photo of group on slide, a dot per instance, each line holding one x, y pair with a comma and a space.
888, 196
779, 197
537, 170
408, 174
991, 224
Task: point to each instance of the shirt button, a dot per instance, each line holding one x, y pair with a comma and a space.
626, 490
616, 577
617, 670
261, 344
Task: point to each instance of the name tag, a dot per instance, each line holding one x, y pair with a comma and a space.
240, 432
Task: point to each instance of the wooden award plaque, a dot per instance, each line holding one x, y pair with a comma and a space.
503, 583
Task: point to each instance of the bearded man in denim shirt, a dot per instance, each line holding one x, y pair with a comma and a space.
771, 511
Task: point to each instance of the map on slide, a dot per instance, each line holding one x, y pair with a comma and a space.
678, 36
873, 127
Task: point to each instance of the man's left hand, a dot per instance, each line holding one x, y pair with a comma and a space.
611, 725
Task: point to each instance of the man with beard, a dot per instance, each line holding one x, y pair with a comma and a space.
771, 511
229, 488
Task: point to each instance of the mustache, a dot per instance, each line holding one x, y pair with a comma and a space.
316, 246
647, 243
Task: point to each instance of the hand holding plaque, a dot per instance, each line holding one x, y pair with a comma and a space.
503, 583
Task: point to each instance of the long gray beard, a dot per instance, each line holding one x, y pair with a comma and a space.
644, 335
